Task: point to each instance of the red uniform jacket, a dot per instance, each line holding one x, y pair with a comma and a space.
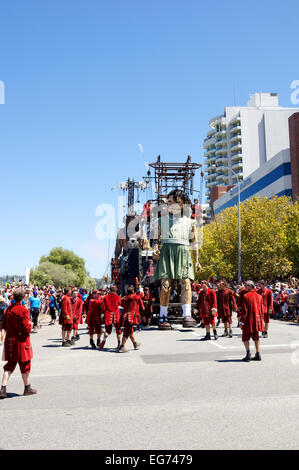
129, 304
111, 305
66, 311
17, 345
95, 312
240, 300
77, 306
252, 314
226, 303
139, 306
267, 298
205, 302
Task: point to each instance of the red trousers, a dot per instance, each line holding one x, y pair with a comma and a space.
108, 329
25, 367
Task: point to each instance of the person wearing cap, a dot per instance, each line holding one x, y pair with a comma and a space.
17, 345
251, 320
111, 304
34, 310
267, 304
206, 306
77, 305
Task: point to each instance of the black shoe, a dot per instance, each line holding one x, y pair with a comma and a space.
257, 357
91, 342
206, 338
216, 335
98, 342
265, 334
247, 358
225, 334
3, 393
230, 334
77, 338
66, 344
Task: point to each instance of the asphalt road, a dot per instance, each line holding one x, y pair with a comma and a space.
174, 393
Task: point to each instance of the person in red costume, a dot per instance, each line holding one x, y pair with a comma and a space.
267, 304
226, 304
242, 291
129, 304
17, 345
66, 318
206, 306
77, 306
94, 318
139, 307
111, 304
251, 320
147, 312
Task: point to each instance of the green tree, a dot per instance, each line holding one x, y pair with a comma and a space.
270, 240
62, 268
40, 278
68, 260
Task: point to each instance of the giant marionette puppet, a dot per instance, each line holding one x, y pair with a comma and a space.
177, 232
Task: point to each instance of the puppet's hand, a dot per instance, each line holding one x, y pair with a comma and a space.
156, 253
197, 267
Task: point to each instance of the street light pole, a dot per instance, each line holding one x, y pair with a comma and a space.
239, 229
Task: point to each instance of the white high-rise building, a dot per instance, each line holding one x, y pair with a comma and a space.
244, 138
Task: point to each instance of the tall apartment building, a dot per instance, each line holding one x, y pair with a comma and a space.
243, 139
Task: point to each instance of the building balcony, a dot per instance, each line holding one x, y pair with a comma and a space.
236, 157
215, 120
235, 129
236, 146
221, 158
210, 159
221, 151
235, 121
210, 176
237, 166
236, 137
238, 176
220, 133
222, 168
209, 141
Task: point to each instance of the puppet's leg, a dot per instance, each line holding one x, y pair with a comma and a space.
164, 299
186, 300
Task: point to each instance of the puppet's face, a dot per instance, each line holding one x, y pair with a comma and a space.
175, 207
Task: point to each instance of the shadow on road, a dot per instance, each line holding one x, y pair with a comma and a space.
229, 360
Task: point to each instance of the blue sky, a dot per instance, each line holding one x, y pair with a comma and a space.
87, 81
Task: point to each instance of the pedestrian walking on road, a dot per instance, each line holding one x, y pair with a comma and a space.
17, 345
